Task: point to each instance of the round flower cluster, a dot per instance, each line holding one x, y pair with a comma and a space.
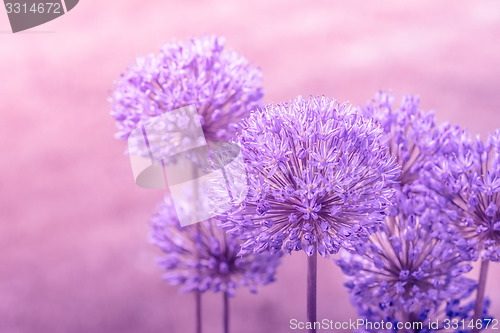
412, 268
408, 131
318, 178
468, 179
221, 84
202, 257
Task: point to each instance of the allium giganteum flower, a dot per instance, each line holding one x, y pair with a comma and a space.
203, 257
468, 179
318, 178
221, 84
408, 131
412, 271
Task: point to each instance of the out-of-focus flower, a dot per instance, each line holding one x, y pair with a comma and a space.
408, 131
221, 84
412, 270
203, 257
318, 178
467, 180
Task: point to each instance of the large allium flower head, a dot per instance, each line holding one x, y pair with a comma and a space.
413, 268
202, 257
318, 178
468, 178
221, 84
455, 315
408, 131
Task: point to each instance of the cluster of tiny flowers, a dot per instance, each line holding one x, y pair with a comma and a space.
318, 179
408, 131
220, 84
454, 316
468, 181
202, 257
412, 269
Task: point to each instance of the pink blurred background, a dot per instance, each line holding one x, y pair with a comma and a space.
74, 244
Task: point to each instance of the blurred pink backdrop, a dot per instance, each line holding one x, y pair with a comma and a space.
74, 244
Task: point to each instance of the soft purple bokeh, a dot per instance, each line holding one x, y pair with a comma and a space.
73, 233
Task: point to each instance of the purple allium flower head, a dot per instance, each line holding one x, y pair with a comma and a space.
455, 315
318, 178
221, 84
412, 269
203, 257
468, 179
408, 131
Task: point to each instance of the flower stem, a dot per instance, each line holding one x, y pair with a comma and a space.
198, 292
226, 312
312, 263
198, 311
198, 230
481, 287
